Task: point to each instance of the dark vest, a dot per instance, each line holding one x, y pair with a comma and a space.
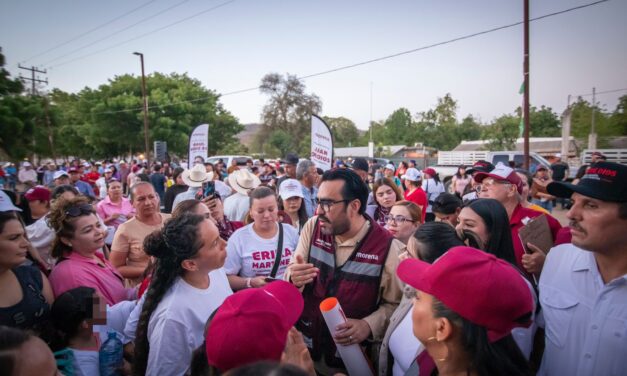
355, 284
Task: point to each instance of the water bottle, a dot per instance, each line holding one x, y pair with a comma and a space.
110, 355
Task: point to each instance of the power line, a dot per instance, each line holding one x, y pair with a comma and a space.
147, 33
602, 92
373, 60
117, 32
90, 31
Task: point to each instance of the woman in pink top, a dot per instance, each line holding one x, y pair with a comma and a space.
79, 237
115, 209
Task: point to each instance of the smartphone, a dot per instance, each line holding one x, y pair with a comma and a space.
208, 189
270, 279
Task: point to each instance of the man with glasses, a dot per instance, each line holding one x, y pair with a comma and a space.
505, 186
343, 253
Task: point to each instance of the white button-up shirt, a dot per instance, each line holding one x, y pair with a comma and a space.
586, 319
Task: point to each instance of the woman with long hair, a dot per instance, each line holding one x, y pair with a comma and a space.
26, 295
261, 250
466, 327
404, 219
76, 247
460, 180
399, 347
433, 187
292, 204
484, 225
446, 208
385, 193
182, 294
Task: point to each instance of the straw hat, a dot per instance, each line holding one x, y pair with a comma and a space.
243, 181
196, 176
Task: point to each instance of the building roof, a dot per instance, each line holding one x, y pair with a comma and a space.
540, 145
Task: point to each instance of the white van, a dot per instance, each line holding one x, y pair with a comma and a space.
227, 159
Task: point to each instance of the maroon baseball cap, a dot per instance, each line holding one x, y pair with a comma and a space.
502, 173
429, 171
605, 181
480, 287
38, 192
480, 166
252, 325
74, 169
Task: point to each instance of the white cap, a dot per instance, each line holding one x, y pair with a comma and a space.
58, 174
412, 174
26, 164
558, 155
390, 166
291, 188
6, 204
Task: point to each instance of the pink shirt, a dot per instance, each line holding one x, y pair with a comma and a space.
106, 209
77, 270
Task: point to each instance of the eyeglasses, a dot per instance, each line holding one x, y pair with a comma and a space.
327, 204
489, 182
76, 211
397, 219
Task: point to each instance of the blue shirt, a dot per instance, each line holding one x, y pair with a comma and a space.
311, 200
84, 188
586, 319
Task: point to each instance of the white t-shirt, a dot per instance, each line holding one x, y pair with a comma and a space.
177, 325
87, 362
433, 190
249, 255
236, 206
404, 346
41, 237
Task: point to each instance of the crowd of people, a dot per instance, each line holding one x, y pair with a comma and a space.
211, 269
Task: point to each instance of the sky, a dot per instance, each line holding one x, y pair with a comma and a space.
230, 45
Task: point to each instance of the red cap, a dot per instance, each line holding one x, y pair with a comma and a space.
73, 169
480, 287
429, 171
502, 173
252, 325
38, 192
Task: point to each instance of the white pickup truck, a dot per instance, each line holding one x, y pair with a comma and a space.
449, 161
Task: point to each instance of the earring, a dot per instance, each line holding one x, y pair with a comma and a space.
443, 358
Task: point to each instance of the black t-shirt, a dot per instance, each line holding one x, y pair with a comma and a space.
33, 308
559, 170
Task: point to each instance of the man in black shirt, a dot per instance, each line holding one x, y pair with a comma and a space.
560, 173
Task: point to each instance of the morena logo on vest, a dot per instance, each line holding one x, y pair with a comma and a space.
367, 256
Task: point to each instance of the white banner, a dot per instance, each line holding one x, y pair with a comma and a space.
321, 144
198, 144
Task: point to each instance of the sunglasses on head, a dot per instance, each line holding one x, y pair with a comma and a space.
76, 211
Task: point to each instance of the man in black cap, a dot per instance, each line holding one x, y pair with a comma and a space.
290, 162
583, 286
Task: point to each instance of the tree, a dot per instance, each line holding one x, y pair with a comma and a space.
345, 133
288, 109
544, 122
397, 127
109, 120
618, 119
502, 134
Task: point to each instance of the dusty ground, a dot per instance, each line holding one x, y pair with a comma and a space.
560, 215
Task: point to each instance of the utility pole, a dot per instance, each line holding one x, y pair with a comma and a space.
32, 79
146, 148
526, 75
592, 137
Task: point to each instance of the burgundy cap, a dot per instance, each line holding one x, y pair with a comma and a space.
429, 171
502, 173
252, 325
74, 169
480, 287
38, 192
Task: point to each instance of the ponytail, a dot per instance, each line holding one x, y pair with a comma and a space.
177, 241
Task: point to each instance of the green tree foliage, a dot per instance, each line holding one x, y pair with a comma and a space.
618, 119
544, 122
288, 109
397, 127
502, 133
345, 133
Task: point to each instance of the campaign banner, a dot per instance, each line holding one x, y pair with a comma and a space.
198, 144
321, 144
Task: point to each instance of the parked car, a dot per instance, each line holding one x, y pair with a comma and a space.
227, 159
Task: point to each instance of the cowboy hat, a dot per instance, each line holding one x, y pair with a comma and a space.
196, 176
243, 181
